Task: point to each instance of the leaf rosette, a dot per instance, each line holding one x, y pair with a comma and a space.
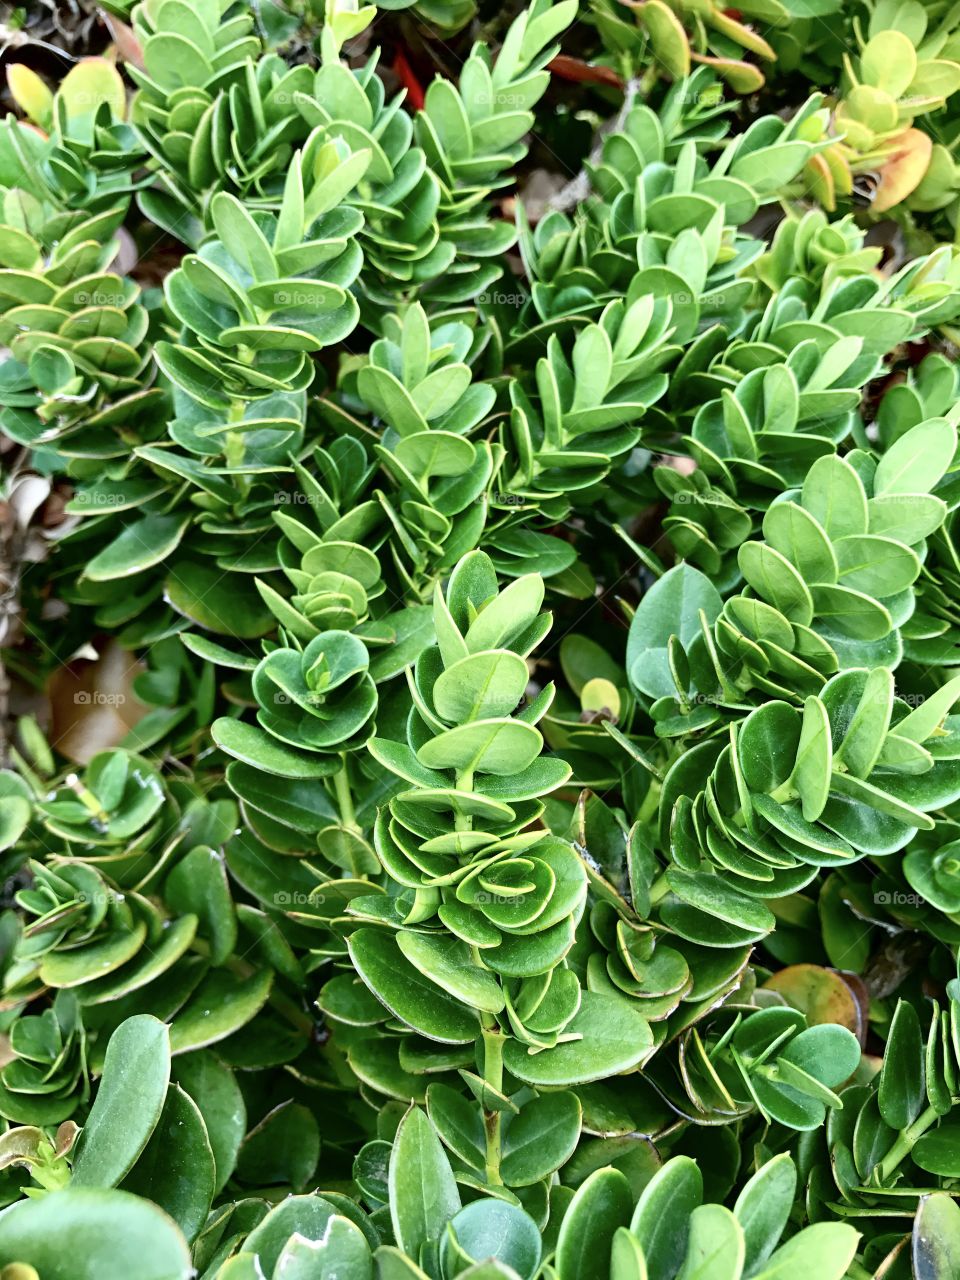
46, 1080
321, 699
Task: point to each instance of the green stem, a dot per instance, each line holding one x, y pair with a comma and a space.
234, 445
493, 1041
493, 1037
341, 783
659, 889
857, 1272
463, 821
906, 1142
784, 793
651, 802
87, 799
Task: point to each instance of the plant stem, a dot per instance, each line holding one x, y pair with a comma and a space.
234, 445
463, 821
659, 889
341, 783
651, 803
905, 1143
493, 1041
784, 793
87, 799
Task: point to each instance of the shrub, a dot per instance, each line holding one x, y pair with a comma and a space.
481, 629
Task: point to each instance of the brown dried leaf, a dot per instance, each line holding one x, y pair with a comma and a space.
819, 993
904, 170
92, 703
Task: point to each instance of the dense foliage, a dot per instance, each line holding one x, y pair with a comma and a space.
480, 607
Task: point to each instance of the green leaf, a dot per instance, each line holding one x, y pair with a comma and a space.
775, 580
715, 1246
410, 996
423, 1190
242, 237
865, 732
671, 607
308, 1217
612, 1037
198, 884
176, 1169
921, 723
908, 518
917, 460
877, 566
283, 1148
447, 962
342, 1251
938, 1151
793, 532
602, 1204
128, 1105
901, 1089
834, 495
254, 746
508, 614
491, 1231
213, 1087
480, 686
86, 1234
936, 1238
500, 747
661, 1219
220, 1005
141, 545
811, 773
825, 1250
540, 1139
763, 1208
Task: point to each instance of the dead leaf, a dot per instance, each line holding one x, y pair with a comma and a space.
92, 703
581, 72
821, 994
904, 170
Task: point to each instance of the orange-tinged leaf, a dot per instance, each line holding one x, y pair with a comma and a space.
125, 41
904, 170
821, 994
